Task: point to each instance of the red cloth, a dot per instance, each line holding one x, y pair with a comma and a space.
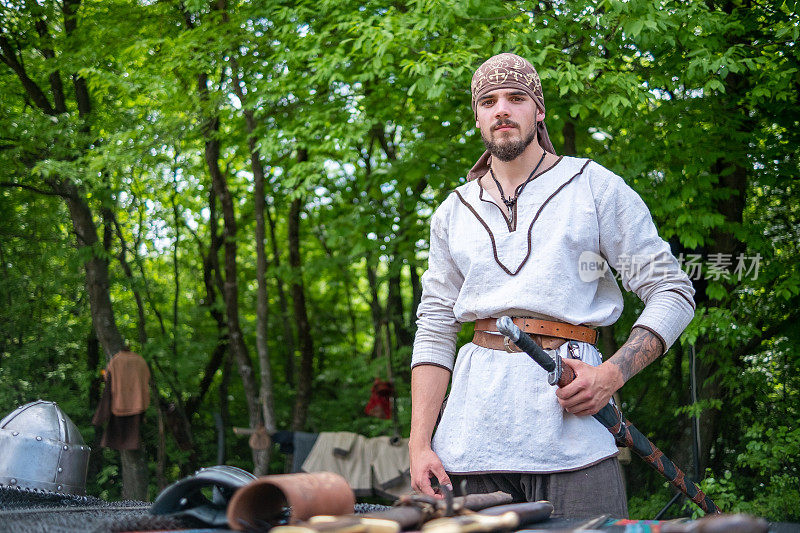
379, 404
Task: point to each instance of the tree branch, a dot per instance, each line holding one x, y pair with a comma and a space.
56, 86
30, 188
69, 9
9, 57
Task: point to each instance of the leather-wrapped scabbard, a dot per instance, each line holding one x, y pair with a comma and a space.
624, 432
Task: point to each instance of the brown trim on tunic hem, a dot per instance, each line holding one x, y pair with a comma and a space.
536, 472
659, 337
431, 364
679, 293
530, 228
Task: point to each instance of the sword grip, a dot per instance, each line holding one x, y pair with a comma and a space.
566, 377
526, 344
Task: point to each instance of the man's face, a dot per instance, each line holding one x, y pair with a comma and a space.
507, 120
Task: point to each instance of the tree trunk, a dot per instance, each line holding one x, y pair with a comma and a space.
262, 301
732, 176
134, 468
134, 465
394, 311
288, 331
416, 292
210, 269
97, 279
224, 404
231, 292
606, 341
97, 284
161, 454
376, 310
175, 270
303, 397
262, 309
134, 475
569, 138
92, 364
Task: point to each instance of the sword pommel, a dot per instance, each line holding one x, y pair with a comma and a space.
524, 342
507, 327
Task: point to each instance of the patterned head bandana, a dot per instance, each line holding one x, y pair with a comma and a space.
507, 71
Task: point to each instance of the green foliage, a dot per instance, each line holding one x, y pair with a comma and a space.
693, 103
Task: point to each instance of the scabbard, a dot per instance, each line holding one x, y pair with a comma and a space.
625, 433
628, 435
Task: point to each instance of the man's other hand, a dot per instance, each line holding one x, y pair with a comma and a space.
591, 389
424, 464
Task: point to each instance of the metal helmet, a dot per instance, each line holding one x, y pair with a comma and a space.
42, 449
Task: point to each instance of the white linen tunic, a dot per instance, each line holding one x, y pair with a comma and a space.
501, 415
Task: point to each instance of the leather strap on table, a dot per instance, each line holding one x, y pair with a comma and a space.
547, 328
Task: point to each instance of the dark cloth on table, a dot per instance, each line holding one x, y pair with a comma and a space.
303, 443
298, 444
592, 491
285, 441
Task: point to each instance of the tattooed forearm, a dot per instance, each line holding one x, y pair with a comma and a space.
642, 348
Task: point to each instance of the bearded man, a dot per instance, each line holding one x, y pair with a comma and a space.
513, 241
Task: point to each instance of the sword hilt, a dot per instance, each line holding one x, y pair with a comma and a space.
557, 372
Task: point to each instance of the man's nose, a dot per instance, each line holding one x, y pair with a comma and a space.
502, 108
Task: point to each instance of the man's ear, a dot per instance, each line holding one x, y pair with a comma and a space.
477, 124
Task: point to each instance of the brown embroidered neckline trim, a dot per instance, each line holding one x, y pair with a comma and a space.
530, 228
511, 221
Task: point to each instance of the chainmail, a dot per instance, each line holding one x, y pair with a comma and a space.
32, 511
370, 508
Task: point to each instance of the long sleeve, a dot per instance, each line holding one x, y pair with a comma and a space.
437, 327
630, 243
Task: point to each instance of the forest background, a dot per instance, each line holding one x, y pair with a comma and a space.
242, 191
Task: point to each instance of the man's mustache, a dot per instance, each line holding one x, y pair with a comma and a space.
503, 123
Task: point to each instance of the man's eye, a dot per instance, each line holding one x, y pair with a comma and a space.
487, 103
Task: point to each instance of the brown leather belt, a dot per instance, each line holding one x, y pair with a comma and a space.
547, 334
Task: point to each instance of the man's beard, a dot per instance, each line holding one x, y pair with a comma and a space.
509, 150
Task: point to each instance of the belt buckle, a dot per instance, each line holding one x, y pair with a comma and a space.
507, 344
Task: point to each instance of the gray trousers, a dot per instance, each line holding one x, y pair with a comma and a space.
585, 493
